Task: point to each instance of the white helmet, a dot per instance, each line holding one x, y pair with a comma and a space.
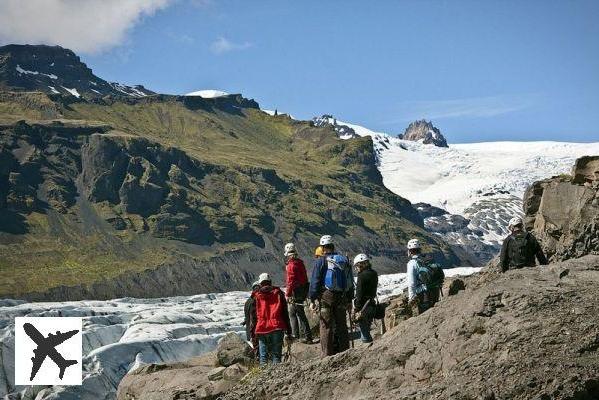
413, 244
264, 277
515, 222
326, 240
361, 258
289, 249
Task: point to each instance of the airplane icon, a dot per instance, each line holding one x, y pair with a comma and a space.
46, 347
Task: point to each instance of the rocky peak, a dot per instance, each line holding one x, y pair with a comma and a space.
425, 131
56, 70
343, 131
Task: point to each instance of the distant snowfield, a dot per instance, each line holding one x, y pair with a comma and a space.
208, 94
120, 335
456, 177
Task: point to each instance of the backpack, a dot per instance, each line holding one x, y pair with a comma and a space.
431, 274
338, 273
519, 250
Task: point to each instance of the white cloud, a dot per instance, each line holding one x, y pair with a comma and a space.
223, 45
475, 107
88, 26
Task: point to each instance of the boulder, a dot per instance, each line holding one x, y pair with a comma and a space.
216, 373
563, 212
586, 170
233, 349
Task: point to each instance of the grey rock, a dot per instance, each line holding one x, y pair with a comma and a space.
562, 212
232, 349
425, 131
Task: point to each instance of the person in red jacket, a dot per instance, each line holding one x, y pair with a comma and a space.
297, 291
272, 320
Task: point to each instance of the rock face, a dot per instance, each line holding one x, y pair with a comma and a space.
55, 70
563, 212
529, 334
426, 132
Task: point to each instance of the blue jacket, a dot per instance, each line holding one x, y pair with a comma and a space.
319, 270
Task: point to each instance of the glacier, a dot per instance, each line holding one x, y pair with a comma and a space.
122, 334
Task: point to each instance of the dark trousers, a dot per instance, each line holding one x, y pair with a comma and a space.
299, 321
334, 337
425, 300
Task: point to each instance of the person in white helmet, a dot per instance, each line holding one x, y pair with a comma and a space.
269, 310
417, 289
364, 302
297, 292
331, 292
520, 248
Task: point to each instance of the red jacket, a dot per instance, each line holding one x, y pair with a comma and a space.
296, 276
270, 309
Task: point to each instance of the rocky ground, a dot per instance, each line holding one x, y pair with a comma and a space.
528, 334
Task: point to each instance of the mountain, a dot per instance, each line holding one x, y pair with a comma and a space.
56, 70
475, 188
170, 195
425, 132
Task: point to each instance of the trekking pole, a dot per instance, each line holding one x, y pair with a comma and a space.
351, 329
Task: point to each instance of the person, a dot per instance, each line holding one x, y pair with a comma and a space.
296, 292
272, 320
365, 301
331, 292
318, 252
420, 298
249, 322
520, 248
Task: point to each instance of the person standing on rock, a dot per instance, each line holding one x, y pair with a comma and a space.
365, 301
297, 292
272, 320
331, 292
249, 320
520, 248
423, 286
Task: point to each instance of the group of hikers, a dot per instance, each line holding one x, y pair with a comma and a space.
274, 317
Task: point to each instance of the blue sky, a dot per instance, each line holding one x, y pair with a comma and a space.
481, 70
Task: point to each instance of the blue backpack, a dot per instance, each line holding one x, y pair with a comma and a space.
338, 275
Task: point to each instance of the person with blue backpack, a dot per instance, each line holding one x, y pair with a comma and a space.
331, 293
425, 280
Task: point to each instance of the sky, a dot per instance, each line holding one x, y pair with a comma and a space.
480, 70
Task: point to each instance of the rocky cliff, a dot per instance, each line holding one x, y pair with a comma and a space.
563, 212
170, 195
424, 131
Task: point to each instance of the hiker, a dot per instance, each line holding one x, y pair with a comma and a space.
365, 301
318, 252
331, 293
272, 320
520, 248
250, 321
425, 280
296, 292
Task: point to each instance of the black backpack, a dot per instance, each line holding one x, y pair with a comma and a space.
519, 250
431, 274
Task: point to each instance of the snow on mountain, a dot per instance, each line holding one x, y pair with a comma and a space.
483, 182
120, 335
208, 94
